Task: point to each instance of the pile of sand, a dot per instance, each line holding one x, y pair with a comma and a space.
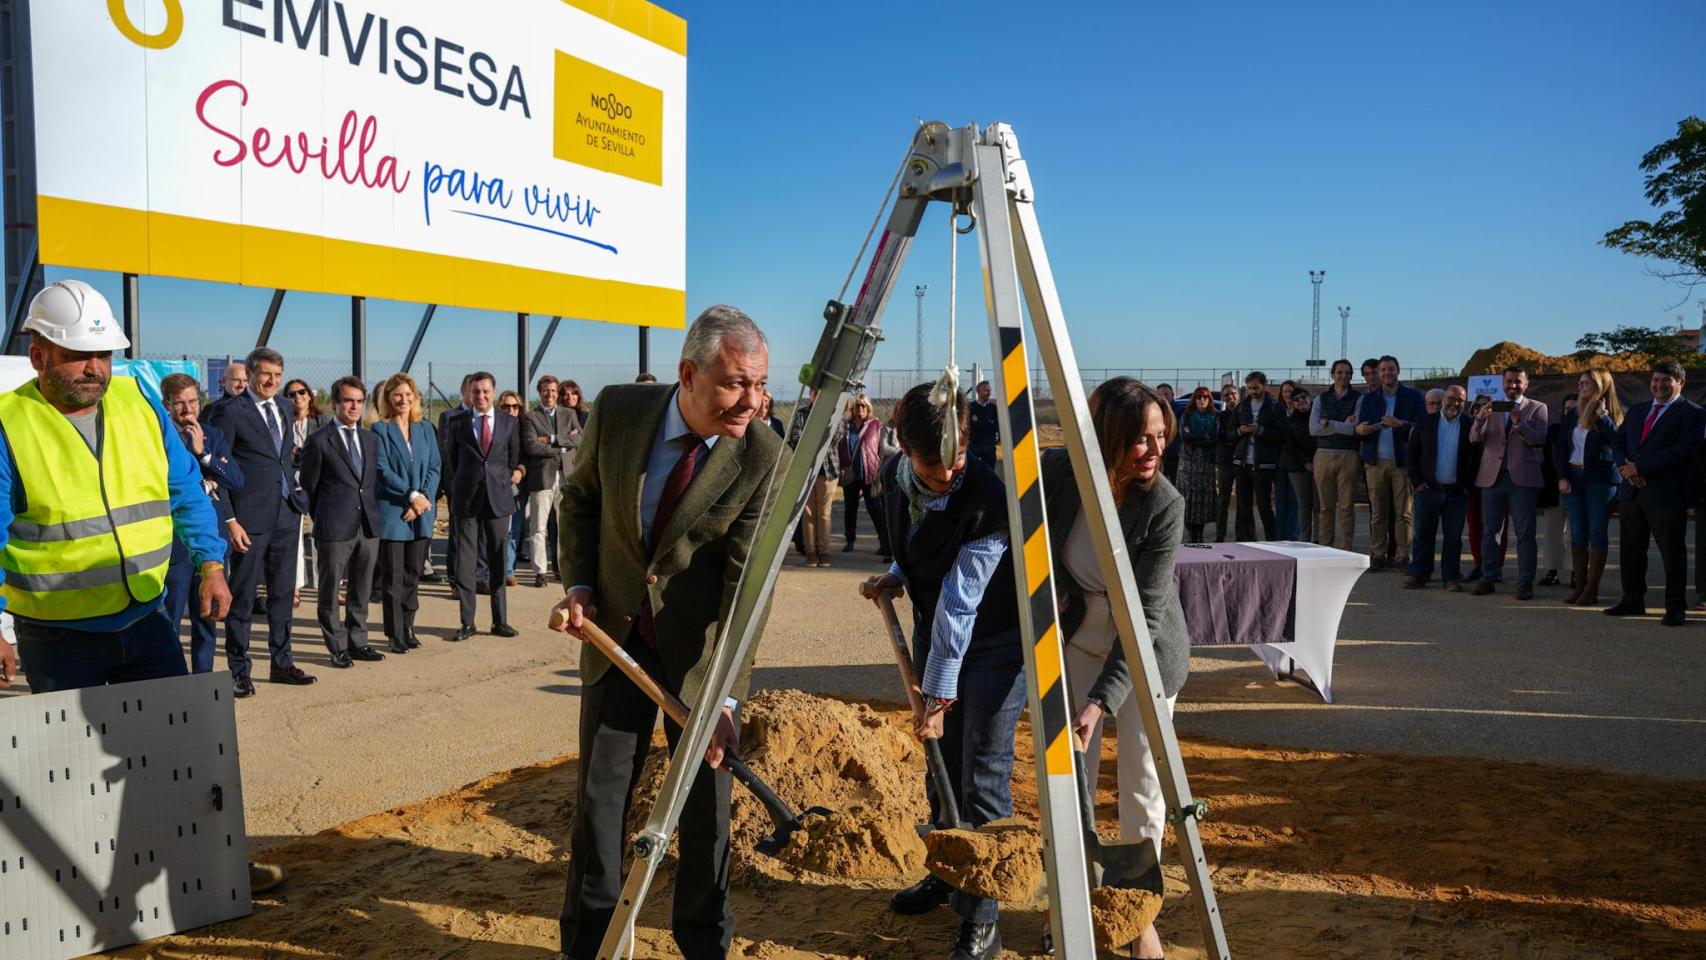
816, 752
1120, 915
1496, 358
857, 843
1002, 859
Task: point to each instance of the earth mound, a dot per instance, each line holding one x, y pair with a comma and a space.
1002, 859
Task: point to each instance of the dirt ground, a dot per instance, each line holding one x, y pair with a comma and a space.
1315, 855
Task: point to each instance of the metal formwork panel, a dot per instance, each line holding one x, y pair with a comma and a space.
121, 815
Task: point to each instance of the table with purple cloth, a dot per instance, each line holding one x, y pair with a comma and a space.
1282, 599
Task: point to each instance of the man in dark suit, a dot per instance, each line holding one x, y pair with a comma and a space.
1439, 462
340, 472
550, 433
1258, 429
268, 529
482, 465
1654, 453
689, 465
985, 427
219, 475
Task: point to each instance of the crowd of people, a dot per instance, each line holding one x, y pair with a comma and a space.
1439, 464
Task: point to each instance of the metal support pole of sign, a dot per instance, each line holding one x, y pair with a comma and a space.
420, 333
270, 319
21, 294
539, 353
358, 337
521, 338
133, 315
645, 349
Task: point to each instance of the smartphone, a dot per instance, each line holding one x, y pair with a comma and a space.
1503, 406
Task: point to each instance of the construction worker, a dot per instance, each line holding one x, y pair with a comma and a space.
94, 484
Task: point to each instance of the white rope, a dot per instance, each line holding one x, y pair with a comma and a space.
946, 391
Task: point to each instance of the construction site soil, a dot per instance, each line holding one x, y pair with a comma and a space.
1314, 854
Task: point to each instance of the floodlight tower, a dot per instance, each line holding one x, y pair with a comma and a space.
918, 347
1315, 278
1345, 332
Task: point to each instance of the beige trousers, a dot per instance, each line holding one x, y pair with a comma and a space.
814, 522
1143, 809
1389, 506
1335, 497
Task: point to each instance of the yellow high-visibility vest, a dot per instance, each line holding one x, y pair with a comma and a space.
95, 533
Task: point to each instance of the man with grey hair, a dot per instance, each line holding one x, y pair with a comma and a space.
267, 533
683, 460
1432, 400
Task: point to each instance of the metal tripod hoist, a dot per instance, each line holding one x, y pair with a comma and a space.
980, 173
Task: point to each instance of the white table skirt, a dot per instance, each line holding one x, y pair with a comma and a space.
1325, 576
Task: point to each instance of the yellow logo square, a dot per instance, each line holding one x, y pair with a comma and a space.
607, 121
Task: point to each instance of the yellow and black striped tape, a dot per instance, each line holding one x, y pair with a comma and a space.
1049, 678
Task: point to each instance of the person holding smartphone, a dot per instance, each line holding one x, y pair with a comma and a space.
1510, 477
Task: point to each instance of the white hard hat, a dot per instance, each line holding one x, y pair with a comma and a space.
74, 315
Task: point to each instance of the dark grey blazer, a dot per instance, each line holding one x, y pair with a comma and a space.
1154, 526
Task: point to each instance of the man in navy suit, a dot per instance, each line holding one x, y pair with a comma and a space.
339, 473
1441, 465
268, 528
1384, 418
219, 474
482, 465
1654, 453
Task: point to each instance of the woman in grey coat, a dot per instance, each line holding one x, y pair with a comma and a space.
1133, 427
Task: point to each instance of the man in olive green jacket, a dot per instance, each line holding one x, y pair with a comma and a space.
655, 526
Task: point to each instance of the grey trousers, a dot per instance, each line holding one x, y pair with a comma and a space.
336, 560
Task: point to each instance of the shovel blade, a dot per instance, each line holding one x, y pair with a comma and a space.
1126, 863
771, 846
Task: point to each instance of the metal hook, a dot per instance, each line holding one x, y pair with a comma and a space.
971, 223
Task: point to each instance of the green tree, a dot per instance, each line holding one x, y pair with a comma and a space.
1676, 184
1660, 343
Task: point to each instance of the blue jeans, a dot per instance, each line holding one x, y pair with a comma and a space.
517, 533
183, 595
977, 746
1589, 508
1445, 509
1505, 497
58, 658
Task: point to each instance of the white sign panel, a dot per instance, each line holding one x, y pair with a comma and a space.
121, 815
525, 155
1486, 385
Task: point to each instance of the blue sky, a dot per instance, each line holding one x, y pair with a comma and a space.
1450, 165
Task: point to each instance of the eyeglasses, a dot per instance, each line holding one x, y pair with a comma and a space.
509, 406
293, 394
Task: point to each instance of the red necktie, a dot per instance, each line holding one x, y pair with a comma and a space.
674, 486
1652, 417
485, 433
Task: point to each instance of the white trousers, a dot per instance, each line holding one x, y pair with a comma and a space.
540, 505
1143, 809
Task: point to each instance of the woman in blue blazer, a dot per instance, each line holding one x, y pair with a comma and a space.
409, 468
1586, 480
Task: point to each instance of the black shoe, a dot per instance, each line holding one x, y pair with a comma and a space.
367, 653
1474, 575
1624, 608
1048, 940
292, 675
432, 578
505, 630
1550, 580
462, 634
977, 941
243, 687
342, 661
922, 897
1674, 618
848, 548
397, 646
410, 641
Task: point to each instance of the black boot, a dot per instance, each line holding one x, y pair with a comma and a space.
922, 897
977, 941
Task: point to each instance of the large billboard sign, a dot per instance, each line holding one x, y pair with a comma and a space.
517, 155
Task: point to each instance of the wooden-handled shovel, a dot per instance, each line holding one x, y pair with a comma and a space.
783, 818
947, 800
